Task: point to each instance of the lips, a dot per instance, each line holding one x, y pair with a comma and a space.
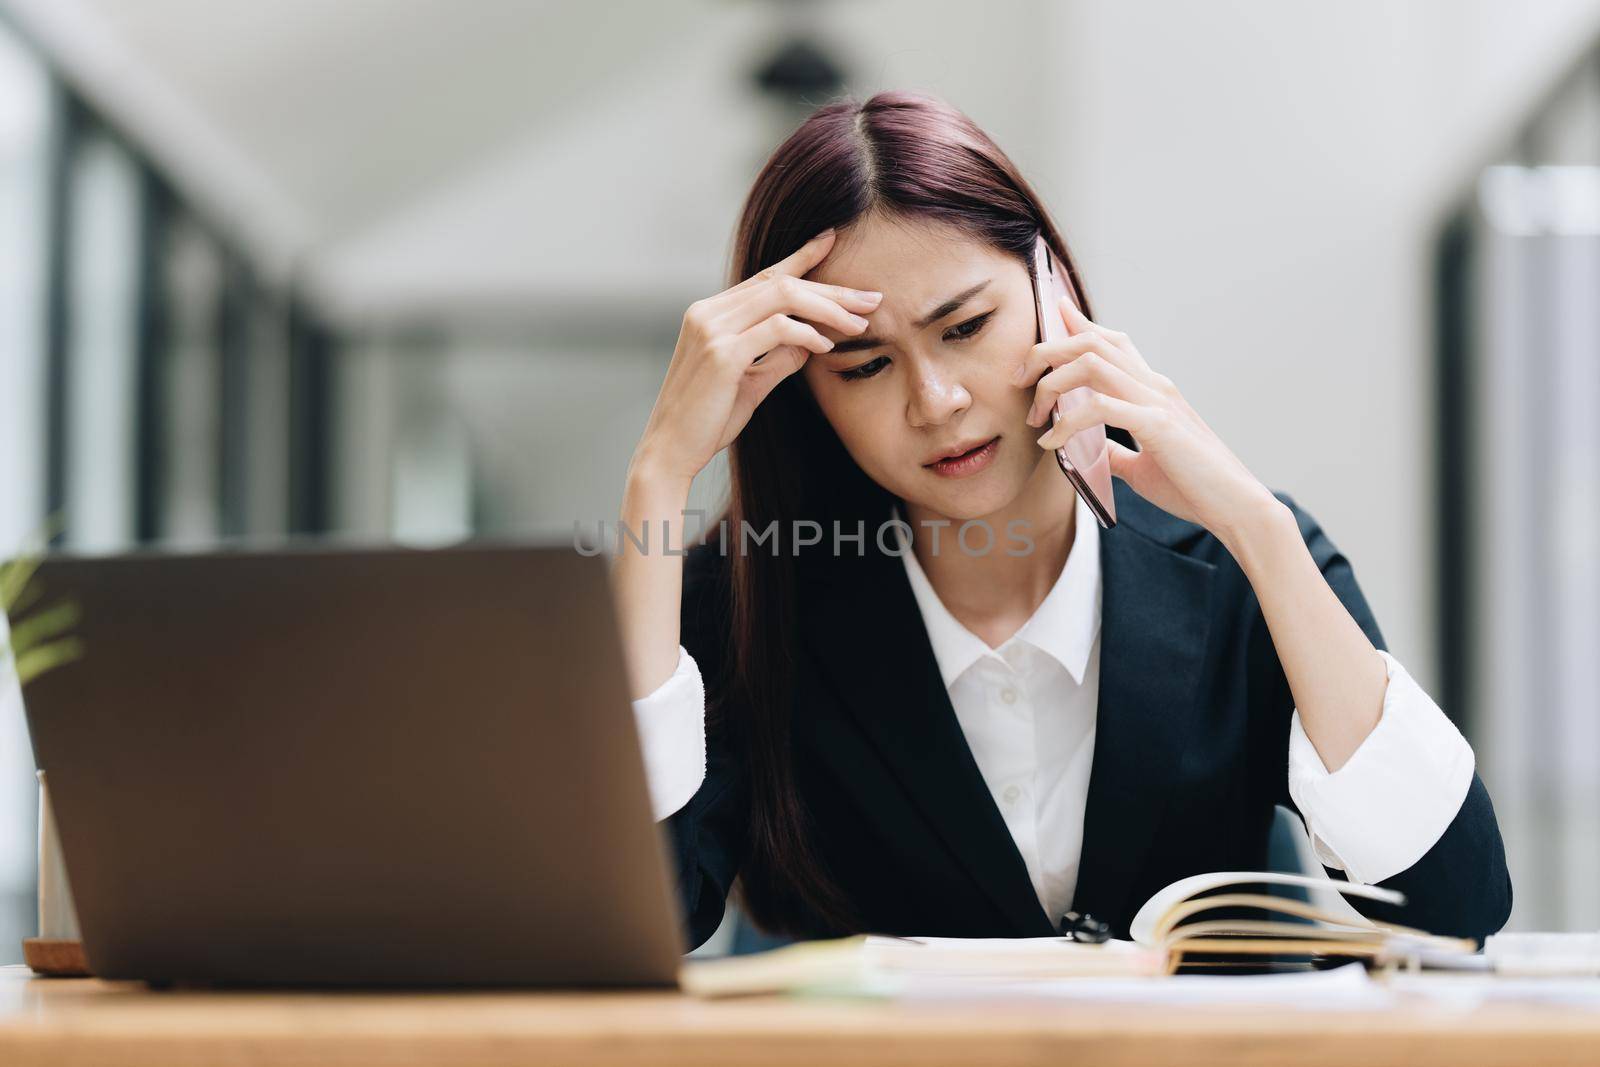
957, 450
967, 463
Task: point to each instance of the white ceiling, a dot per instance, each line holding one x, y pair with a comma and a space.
401, 155
353, 108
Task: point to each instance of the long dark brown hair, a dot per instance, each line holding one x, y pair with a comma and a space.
906, 156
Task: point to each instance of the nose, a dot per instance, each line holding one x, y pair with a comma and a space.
937, 395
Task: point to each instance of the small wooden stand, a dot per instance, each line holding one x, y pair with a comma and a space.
57, 959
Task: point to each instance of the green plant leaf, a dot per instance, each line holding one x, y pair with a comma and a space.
34, 646
30, 595
38, 660
14, 577
16, 573
43, 625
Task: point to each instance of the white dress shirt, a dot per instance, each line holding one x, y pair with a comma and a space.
1028, 709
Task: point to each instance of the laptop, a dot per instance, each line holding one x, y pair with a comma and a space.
343, 766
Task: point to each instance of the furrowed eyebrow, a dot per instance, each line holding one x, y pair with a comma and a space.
856, 344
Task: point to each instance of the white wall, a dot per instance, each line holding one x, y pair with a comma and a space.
1251, 187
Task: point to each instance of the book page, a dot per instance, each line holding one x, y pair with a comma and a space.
1144, 923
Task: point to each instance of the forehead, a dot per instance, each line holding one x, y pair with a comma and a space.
906, 259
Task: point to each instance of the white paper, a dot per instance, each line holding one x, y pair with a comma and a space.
1002, 959
1466, 992
1553, 955
1346, 988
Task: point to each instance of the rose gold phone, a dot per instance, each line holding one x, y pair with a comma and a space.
1084, 459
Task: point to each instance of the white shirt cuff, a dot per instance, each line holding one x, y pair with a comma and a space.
672, 736
1396, 795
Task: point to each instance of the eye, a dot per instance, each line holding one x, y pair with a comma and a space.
866, 370
967, 329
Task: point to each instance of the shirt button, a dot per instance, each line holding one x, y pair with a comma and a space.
1009, 695
1011, 794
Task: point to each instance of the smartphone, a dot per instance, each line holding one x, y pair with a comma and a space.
1084, 459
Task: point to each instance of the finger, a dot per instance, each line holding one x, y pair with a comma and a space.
1091, 368
771, 332
1120, 455
859, 300
1078, 322
771, 367
791, 296
796, 263
1051, 354
1096, 409
760, 380
1045, 355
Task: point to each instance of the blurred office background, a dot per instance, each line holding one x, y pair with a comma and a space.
413, 269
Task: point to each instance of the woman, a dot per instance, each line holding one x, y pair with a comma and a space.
939, 741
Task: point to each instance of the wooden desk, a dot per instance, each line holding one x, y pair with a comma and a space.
85, 1021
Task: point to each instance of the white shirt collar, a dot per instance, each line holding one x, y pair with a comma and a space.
1064, 625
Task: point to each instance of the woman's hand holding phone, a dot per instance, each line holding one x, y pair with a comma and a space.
1182, 466
733, 350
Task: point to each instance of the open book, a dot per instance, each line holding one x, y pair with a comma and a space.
1187, 923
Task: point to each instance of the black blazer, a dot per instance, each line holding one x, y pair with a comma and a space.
1191, 749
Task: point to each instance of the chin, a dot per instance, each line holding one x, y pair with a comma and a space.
958, 503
